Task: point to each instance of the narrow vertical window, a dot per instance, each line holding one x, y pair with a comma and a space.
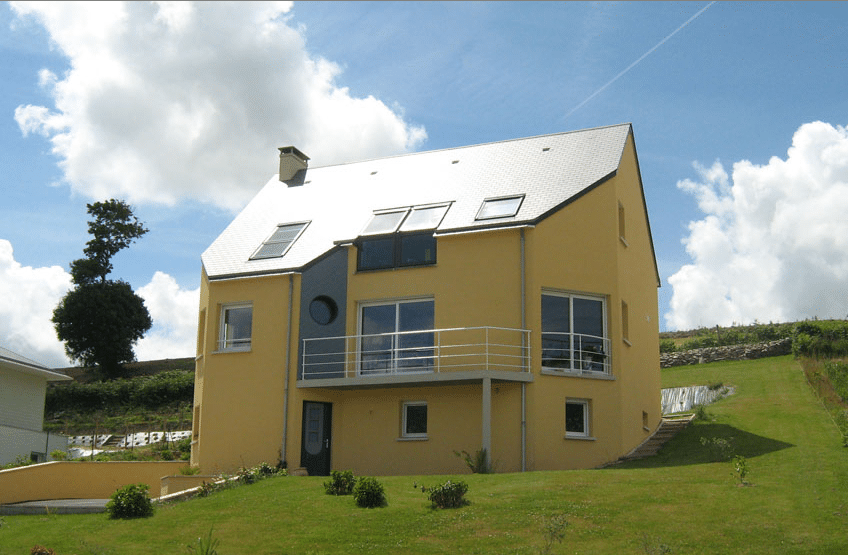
622, 232
625, 322
414, 423
577, 418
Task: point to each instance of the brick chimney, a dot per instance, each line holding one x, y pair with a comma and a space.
291, 161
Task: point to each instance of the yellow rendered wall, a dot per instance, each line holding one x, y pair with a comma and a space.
240, 394
81, 480
578, 250
638, 282
367, 435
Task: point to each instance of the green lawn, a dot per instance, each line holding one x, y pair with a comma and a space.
678, 502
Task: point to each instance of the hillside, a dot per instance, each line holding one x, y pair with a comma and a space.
687, 499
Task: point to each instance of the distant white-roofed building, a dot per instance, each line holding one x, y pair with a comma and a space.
23, 387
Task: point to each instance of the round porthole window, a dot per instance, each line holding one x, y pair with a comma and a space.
323, 310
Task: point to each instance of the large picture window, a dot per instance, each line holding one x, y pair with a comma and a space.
574, 333
396, 337
236, 327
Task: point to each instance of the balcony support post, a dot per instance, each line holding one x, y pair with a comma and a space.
487, 418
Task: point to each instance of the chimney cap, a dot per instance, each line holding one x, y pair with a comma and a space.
292, 150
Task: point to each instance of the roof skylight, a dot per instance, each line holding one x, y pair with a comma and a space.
424, 217
385, 222
504, 207
280, 241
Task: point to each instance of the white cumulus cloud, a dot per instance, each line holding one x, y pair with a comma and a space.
773, 243
173, 100
28, 296
174, 312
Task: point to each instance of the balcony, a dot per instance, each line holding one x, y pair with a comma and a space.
417, 357
576, 353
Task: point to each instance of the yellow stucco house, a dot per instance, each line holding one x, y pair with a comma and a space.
380, 315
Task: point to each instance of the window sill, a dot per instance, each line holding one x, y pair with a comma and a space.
423, 438
578, 374
627, 342
623, 241
226, 351
580, 438
395, 268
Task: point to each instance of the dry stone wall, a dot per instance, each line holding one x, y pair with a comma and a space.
730, 352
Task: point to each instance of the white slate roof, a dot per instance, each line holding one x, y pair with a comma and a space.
338, 201
14, 361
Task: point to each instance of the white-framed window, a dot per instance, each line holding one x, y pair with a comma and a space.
236, 327
414, 420
574, 333
577, 418
396, 336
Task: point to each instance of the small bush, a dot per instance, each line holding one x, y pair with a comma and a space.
478, 463
369, 493
41, 550
246, 476
667, 346
341, 483
449, 495
130, 501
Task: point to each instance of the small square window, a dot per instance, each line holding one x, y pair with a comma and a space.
236, 327
414, 419
577, 418
493, 208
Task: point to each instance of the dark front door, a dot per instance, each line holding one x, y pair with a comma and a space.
315, 443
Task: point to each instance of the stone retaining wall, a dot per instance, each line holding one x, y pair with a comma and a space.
730, 352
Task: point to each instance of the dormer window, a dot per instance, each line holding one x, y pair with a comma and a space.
400, 237
280, 241
503, 207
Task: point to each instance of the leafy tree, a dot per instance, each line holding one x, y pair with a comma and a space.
101, 319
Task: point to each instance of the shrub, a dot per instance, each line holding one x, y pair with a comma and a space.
369, 493
341, 483
41, 550
667, 346
246, 476
477, 464
448, 495
130, 501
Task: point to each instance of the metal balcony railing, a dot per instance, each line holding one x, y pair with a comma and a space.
420, 351
575, 352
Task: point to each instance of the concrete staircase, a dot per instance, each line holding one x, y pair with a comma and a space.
669, 427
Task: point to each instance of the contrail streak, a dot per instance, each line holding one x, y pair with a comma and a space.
642, 57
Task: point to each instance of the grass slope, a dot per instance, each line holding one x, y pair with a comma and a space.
677, 502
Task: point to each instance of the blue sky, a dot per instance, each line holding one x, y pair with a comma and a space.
178, 109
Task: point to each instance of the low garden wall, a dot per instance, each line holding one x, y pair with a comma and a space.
81, 480
730, 352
